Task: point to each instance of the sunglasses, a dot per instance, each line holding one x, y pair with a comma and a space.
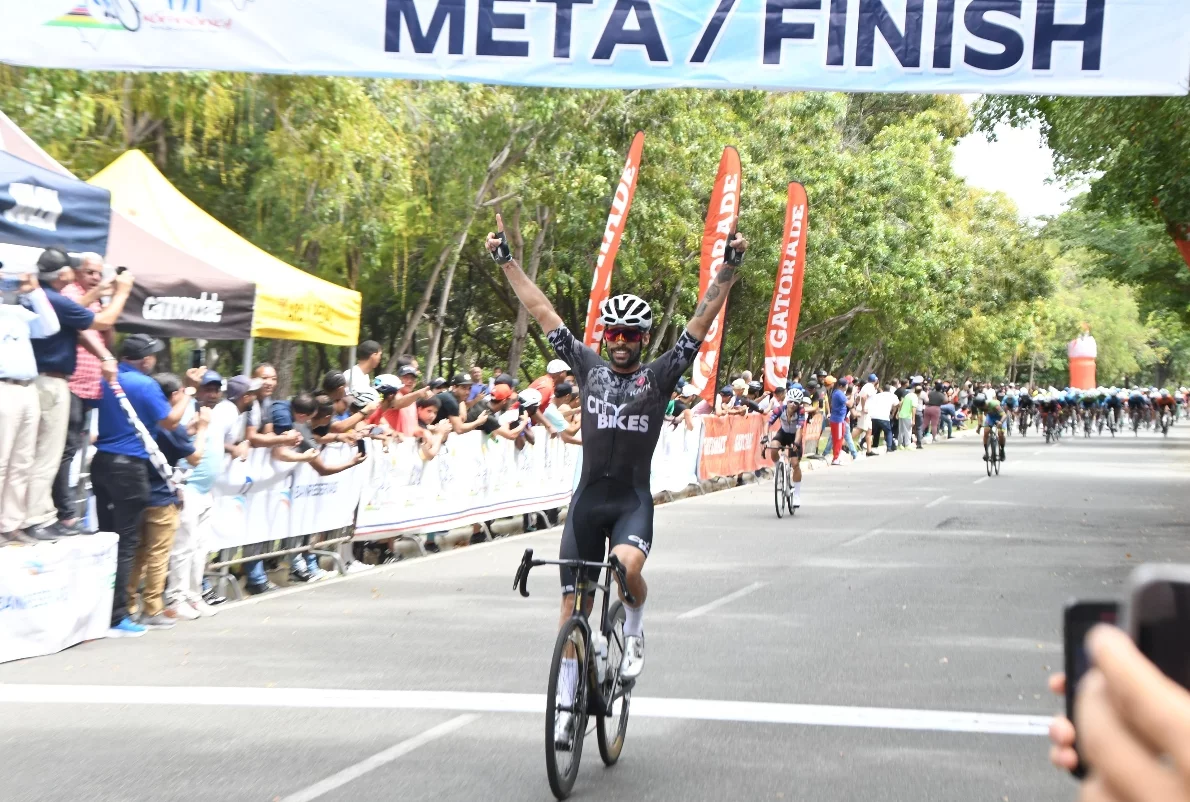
626, 335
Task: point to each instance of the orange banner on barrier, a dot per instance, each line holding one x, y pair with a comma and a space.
617, 218
722, 215
731, 445
787, 291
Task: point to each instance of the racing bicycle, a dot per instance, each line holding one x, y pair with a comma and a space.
782, 477
993, 455
599, 690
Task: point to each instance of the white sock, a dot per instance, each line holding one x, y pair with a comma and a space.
797, 489
567, 679
633, 620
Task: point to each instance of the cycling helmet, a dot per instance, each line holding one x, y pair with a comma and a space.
387, 383
359, 399
794, 396
626, 310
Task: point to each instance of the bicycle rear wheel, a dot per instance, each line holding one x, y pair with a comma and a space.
779, 484
561, 765
611, 730
991, 455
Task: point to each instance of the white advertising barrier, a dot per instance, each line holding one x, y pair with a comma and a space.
54, 595
474, 478
675, 462
1036, 47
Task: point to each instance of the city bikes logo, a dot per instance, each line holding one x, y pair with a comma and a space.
132, 15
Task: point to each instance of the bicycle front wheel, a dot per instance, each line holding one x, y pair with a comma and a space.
128, 15
611, 729
561, 764
991, 456
779, 485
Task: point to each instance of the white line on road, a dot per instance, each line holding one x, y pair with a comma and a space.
379, 759
717, 603
687, 709
981, 479
862, 538
936, 502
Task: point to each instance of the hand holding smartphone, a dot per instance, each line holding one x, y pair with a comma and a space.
1078, 619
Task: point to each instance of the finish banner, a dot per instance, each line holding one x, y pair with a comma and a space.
617, 218
1034, 47
787, 291
722, 216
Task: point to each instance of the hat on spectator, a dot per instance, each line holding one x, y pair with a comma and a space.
557, 366
407, 370
501, 392
830, 380
438, 382
725, 391
211, 377
139, 346
54, 259
872, 377
689, 390
237, 386
530, 398
459, 379
505, 379
739, 384
563, 390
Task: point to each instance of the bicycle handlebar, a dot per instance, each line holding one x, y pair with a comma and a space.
520, 581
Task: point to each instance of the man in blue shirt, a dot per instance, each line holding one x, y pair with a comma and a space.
121, 468
55, 364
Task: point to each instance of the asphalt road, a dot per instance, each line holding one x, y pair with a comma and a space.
891, 642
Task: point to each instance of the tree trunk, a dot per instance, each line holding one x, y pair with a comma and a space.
520, 330
495, 169
418, 313
666, 319
283, 355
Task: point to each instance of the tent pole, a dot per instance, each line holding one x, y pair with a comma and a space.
350, 357
249, 347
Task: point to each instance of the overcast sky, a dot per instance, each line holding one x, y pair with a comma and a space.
1018, 164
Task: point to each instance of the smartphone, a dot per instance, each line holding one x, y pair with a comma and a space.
1159, 617
1077, 620
196, 357
361, 446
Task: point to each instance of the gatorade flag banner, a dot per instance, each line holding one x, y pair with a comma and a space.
1031, 47
601, 283
787, 291
722, 216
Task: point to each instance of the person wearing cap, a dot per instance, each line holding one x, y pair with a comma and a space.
555, 373
500, 400
452, 406
683, 406
87, 288
56, 361
20, 323
120, 471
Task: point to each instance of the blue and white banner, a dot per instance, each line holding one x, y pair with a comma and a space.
1077, 47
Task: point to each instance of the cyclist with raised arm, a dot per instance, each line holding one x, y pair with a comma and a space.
791, 435
623, 404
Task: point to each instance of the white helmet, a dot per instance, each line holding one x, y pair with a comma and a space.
387, 383
530, 398
794, 396
626, 310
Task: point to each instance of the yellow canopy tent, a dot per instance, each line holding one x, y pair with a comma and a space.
291, 304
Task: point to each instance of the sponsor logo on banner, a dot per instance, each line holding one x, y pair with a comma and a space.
617, 219
202, 309
722, 215
731, 445
787, 291
165, 15
35, 207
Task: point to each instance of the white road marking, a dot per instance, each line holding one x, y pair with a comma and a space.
863, 537
688, 709
717, 603
379, 759
936, 502
981, 479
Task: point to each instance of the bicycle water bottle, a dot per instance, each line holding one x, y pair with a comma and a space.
600, 657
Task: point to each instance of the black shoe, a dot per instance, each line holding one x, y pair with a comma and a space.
79, 527
212, 598
432, 547
256, 590
43, 534
986, 458
871, 454
299, 576
920, 446
1001, 456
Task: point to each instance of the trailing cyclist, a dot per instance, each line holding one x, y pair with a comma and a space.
791, 436
623, 402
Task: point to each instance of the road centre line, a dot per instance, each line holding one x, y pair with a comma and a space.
936, 502
475, 702
861, 538
323, 787
717, 603
981, 480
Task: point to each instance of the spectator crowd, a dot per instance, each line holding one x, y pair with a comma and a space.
158, 441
